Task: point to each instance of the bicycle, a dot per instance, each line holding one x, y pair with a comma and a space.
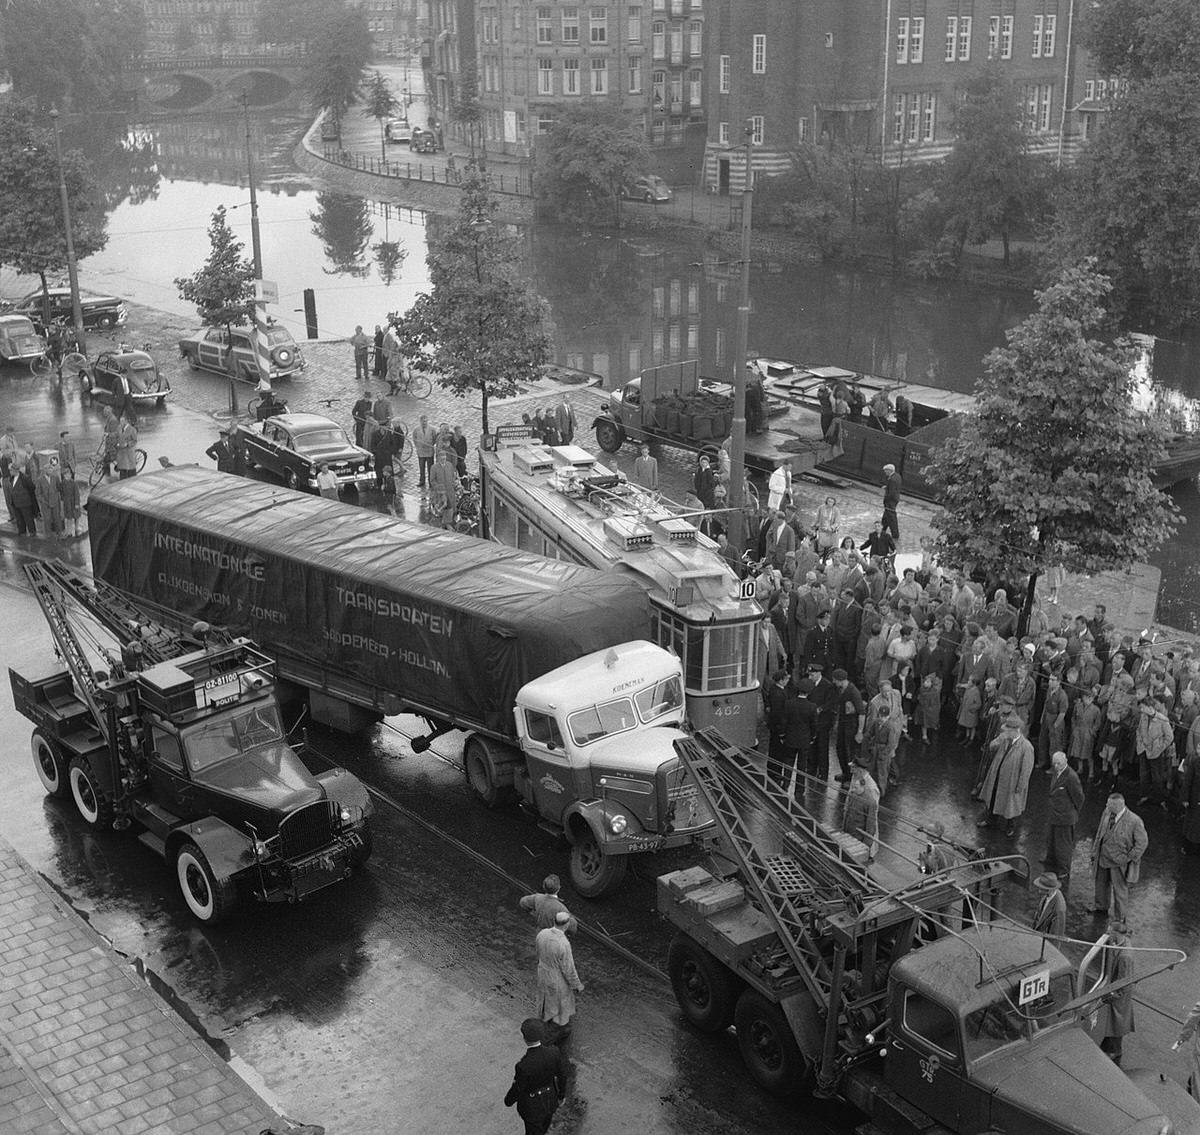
102, 462
278, 406
61, 352
413, 384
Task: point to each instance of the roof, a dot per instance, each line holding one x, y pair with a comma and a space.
298, 423
948, 970
623, 670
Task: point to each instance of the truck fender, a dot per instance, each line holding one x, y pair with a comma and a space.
596, 814
345, 788
227, 850
807, 1026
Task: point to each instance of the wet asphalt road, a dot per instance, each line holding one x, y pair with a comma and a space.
391, 1003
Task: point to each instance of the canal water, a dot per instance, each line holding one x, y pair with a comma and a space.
619, 302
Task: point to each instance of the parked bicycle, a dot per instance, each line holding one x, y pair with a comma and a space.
409, 382
105, 457
62, 353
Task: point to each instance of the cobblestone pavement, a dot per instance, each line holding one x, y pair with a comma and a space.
86, 1046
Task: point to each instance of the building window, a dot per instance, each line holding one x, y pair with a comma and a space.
1038, 97
1006, 37
802, 130
634, 72
658, 87
1037, 36
1089, 90
756, 129
902, 40
722, 133
914, 117
599, 76
658, 39
635, 24
545, 77
928, 116
723, 72
570, 76
916, 39
1048, 28
951, 38
545, 122
695, 38
598, 25
570, 26
677, 45
544, 33
898, 119
719, 346
693, 86
964, 39
758, 55
676, 94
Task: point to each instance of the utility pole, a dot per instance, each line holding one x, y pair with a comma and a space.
262, 349
72, 267
737, 453
255, 238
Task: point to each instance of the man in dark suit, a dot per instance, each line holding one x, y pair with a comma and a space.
1117, 854
847, 622
824, 695
818, 646
540, 1080
1066, 799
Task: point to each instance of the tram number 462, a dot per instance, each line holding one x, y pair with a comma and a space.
727, 711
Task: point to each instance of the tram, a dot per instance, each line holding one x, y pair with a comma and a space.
560, 502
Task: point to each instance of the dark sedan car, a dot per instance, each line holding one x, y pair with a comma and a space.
293, 446
125, 371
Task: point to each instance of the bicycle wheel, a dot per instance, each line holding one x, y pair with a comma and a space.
97, 473
139, 460
418, 386
252, 407
405, 452
73, 362
40, 366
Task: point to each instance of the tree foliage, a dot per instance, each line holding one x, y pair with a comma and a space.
337, 59
1056, 466
590, 151
389, 257
343, 226
223, 290
32, 236
380, 102
1134, 202
70, 53
480, 327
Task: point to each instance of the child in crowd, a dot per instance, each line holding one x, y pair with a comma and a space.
968, 711
929, 705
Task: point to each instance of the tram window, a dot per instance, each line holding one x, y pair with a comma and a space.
504, 526
731, 656
529, 539
661, 698
543, 729
598, 721
693, 661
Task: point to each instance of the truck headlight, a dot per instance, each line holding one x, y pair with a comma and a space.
260, 849
344, 814
618, 824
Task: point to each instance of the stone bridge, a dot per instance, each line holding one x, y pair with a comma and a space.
204, 82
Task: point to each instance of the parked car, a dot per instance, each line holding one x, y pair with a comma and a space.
423, 141
647, 187
293, 446
103, 312
398, 130
125, 370
232, 352
19, 340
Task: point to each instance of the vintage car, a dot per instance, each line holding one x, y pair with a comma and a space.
398, 130
423, 141
104, 312
232, 352
646, 187
19, 340
293, 446
125, 371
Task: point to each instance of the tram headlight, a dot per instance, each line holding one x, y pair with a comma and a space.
617, 824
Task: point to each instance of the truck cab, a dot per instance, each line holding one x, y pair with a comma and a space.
598, 739
983, 1038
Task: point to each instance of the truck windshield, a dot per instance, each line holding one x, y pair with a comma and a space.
224, 737
1004, 1021
598, 721
660, 698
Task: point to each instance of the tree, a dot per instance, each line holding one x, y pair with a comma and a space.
343, 225
480, 326
1056, 466
380, 103
32, 236
223, 290
1134, 202
590, 152
389, 256
988, 177
337, 60
466, 107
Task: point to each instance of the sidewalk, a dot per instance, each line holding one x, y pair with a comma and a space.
86, 1046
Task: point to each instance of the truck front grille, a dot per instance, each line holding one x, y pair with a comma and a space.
307, 829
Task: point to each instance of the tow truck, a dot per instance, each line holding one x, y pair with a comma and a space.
911, 999
175, 730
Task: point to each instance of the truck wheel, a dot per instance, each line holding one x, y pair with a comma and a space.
94, 804
479, 761
593, 872
51, 768
210, 899
769, 1049
608, 436
705, 989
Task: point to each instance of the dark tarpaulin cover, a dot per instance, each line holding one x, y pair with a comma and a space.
450, 624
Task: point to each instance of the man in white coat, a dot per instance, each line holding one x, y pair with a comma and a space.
557, 981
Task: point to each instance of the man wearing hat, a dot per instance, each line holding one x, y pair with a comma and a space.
818, 647
851, 716
360, 414
539, 1080
1114, 1017
824, 695
890, 522
224, 453
1006, 783
1066, 799
1051, 916
557, 980
1117, 854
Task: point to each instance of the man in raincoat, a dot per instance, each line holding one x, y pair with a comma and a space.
557, 981
1006, 784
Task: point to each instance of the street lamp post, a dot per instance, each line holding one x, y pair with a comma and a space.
72, 267
737, 448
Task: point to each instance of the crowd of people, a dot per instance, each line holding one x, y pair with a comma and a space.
41, 486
